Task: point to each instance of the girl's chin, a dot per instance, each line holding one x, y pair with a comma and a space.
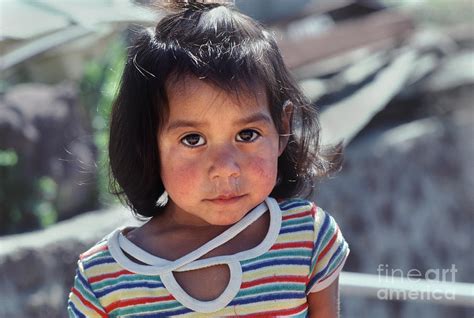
214, 212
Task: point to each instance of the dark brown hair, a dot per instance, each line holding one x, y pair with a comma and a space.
226, 48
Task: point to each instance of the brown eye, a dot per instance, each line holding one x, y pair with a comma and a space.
193, 140
248, 135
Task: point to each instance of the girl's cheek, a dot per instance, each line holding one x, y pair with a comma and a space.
265, 169
179, 174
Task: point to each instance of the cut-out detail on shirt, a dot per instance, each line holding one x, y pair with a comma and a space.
206, 283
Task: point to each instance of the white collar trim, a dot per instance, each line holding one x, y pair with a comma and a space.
118, 243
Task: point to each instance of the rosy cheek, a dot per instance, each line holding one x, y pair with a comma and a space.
187, 179
265, 169
180, 176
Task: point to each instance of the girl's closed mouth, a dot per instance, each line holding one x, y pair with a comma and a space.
226, 199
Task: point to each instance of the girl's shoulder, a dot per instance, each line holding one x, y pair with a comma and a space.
96, 255
306, 211
295, 205
297, 214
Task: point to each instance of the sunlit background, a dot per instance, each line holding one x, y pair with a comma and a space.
393, 80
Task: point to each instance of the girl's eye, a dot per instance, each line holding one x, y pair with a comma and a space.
248, 135
193, 140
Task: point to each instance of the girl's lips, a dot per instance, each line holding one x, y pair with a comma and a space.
226, 199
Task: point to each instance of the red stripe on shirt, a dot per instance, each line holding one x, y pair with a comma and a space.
296, 215
88, 303
136, 301
328, 247
273, 279
99, 278
93, 251
280, 246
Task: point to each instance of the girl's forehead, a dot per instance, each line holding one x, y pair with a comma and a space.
197, 103
190, 90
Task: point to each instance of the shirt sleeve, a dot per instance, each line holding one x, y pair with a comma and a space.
82, 301
330, 251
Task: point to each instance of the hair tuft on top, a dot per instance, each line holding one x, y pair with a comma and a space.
180, 5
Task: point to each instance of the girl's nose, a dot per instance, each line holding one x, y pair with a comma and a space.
224, 163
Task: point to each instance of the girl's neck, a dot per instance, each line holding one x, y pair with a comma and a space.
180, 218
176, 220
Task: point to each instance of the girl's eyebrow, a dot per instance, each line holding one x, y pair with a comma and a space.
253, 118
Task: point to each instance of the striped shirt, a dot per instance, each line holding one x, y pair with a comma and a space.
303, 252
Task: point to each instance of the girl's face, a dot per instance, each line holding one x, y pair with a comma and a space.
218, 153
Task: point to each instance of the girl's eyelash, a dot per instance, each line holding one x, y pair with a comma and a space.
192, 143
255, 135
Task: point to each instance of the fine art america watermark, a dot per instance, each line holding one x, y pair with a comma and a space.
430, 289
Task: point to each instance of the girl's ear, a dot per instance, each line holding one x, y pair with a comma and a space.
286, 116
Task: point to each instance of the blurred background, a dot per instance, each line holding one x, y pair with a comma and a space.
392, 79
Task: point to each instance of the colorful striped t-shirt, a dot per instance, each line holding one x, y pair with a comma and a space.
303, 252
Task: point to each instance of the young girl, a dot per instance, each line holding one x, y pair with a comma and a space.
212, 140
